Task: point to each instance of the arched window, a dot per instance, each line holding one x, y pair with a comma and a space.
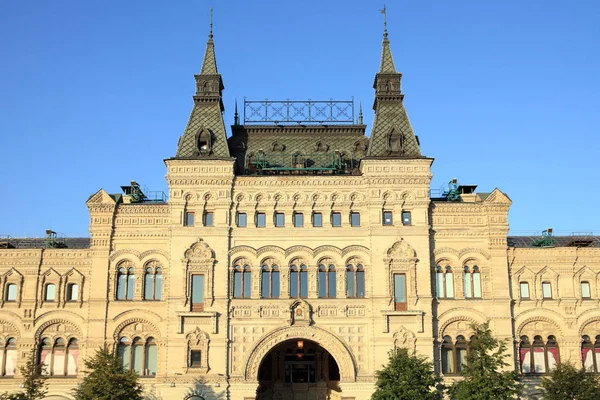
395, 142
242, 282
537, 357
355, 281
59, 358
125, 283
444, 282
270, 282
138, 356
590, 353
327, 279
299, 281
448, 364
11, 292
50, 292
454, 355
472, 282
204, 142
153, 283
8, 360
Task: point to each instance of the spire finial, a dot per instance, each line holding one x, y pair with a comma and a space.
360, 115
385, 34
236, 117
210, 35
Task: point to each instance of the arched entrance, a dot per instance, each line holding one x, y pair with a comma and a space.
298, 369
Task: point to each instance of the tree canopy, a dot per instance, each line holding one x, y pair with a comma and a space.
107, 380
406, 377
569, 383
485, 376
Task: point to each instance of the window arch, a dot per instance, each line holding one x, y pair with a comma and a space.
242, 281
204, 142
59, 356
327, 281
444, 282
454, 354
396, 142
299, 281
472, 282
138, 355
153, 282
270, 281
355, 281
538, 357
590, 353
8, 355
125, 283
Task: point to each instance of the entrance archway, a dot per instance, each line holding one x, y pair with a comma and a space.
298, 369
327, 340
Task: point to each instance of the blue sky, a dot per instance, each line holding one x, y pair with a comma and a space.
501, 94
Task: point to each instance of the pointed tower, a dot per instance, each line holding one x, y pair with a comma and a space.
204, 135
391, 134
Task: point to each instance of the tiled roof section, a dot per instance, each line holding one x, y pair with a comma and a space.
557, 241
318, 141
39, 243
388, 116
209, 65
204, 116
387, 61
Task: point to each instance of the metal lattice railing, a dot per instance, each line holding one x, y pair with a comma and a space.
305, 111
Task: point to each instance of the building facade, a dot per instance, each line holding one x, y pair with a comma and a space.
289, 259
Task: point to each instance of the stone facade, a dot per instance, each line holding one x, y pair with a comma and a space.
187, 299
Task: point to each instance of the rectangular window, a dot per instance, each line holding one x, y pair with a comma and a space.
586, 293
279, 219
188, 219
261, 220
241, 220
317, 219
72, 292
298, 220
11, 292
208, 218
336, 219
546, 290
400, 292
50, 292
524, 290
195, 358
406, 220
354, 219
197, 292
388, 218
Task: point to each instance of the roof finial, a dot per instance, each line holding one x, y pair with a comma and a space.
236, 117
385, 34
360, 115
210, 35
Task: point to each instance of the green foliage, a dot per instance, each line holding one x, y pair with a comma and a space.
406, 377
107, 380
569, 383
484, 375
34, 381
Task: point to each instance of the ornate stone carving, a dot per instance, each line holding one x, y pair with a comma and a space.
300, 313
401, 250
404, 338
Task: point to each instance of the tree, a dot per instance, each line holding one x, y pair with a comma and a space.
34, 381
569, 383
484, 378
406, 377
107, 380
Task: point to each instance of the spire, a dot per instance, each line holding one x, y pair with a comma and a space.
391, 134
386, 66
236, 117
205, 136
360, 114
209, 65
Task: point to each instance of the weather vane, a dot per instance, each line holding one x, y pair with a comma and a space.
384, 20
